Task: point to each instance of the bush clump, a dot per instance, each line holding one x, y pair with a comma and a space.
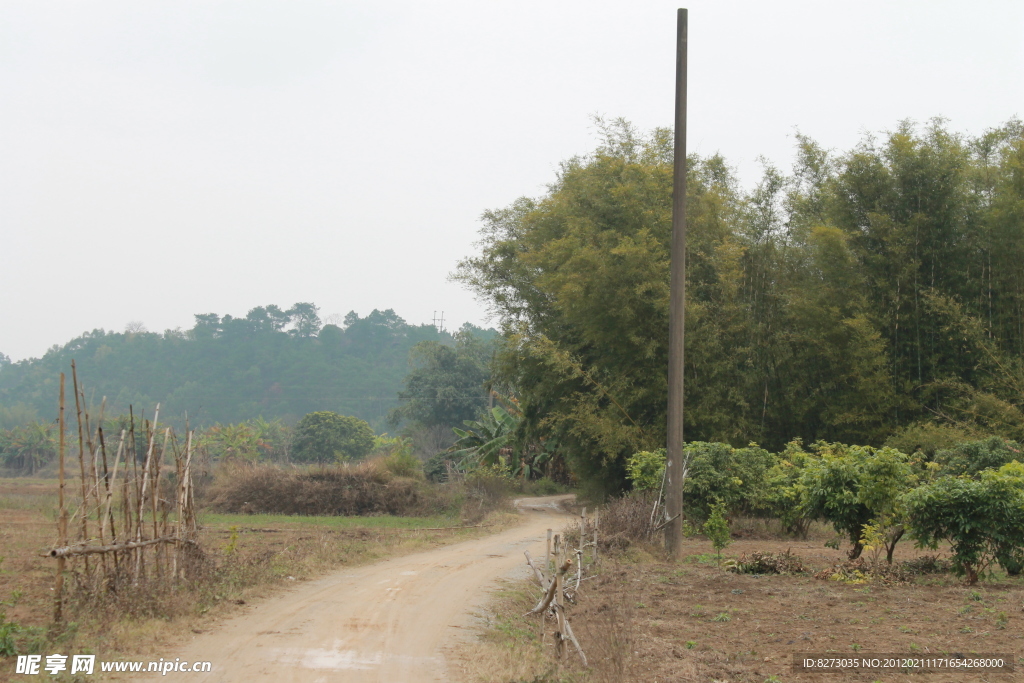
768, 563
366, 489
974, 456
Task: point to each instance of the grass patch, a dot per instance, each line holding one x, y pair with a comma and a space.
226, 519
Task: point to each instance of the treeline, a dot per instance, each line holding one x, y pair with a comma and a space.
867, 292
271, 364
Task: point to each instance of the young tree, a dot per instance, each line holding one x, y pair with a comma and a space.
851, 486
982, 519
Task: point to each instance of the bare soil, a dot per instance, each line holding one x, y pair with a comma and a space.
645, 619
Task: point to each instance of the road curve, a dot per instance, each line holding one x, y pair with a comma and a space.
384, 622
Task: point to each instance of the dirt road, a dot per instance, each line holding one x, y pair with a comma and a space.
384, 622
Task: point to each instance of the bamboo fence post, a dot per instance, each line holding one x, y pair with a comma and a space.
182, 492
559, 606
62, 519
81, 460
151, 437
107, 489
156, 497
547, 553
110, 495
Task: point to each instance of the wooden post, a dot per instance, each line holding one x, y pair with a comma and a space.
559, 606
151, 437
677, 309
547, 553
595, 537
81, 461
62, 519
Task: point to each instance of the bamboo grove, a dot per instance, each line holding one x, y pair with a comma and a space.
865, 293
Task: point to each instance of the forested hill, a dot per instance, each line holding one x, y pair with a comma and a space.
270, 363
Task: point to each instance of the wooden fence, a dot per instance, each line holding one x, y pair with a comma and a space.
137, 524
557, 582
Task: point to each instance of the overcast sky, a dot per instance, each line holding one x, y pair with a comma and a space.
162, 159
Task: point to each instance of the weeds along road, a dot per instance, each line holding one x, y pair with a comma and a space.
381, 622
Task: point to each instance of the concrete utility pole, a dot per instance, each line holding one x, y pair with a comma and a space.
677, 307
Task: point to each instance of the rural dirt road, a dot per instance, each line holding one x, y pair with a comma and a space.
384, 622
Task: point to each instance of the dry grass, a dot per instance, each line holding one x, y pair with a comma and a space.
365, 488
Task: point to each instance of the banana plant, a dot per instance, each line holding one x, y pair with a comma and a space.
486, 440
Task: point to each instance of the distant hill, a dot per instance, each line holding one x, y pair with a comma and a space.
271, 363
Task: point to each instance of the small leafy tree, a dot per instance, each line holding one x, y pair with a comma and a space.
324, 436
781, 492
646, 469
982, 519
851, 486
717, 472
717, 529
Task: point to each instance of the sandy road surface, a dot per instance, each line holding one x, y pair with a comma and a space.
384, 622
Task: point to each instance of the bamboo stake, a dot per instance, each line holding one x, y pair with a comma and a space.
110, 492
547, 553
81, 457
62, 520
151, 437
156, 495
560, 606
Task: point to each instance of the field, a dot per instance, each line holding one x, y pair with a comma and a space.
254, 555
644, 619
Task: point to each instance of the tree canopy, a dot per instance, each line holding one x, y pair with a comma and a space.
272, 362
324, 437
863, 292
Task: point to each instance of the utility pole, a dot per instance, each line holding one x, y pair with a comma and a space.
674, 473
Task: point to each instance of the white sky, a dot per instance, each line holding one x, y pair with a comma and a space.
161, 159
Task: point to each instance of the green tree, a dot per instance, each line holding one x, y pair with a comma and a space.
717, 529
324, 437
28, 447
446, 384
851, 486
721, 474
982, 519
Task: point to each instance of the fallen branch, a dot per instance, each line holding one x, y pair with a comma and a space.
549, 594
571, 637
663, 524
69, 551
537, 573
